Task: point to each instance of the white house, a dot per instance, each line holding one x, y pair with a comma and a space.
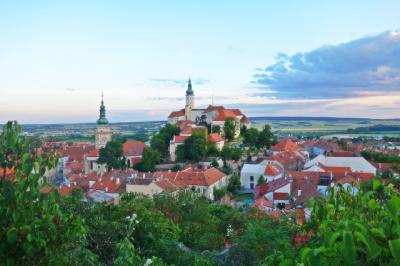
357, 164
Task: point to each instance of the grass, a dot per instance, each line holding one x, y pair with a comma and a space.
242, 197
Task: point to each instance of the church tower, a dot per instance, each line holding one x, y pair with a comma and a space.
189, 106
103, 131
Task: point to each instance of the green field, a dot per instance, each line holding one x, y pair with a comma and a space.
323, 126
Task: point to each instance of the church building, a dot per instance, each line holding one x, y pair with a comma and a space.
103, 131
212, 115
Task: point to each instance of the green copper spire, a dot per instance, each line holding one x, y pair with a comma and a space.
102, 120
189, 91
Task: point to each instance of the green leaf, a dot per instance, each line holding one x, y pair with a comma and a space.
333, 238
376, 184
349, 251
378, 232
12, 235
394, 246
362, 238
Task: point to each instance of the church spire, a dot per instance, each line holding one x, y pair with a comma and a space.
102, 119
189, 90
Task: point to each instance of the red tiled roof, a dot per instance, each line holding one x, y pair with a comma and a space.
262, 203
93, 153
280, 196
166, 185
272, 170
341, 154
214, 138
177, 113
223, 114
190, 177
335, 170
67, 189
133, 148
270, 186
109, 181
286, 145
180, 139
381, 166
347, 179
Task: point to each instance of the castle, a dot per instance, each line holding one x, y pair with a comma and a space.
212, 115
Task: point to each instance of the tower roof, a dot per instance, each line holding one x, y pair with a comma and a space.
189, 90
102, 119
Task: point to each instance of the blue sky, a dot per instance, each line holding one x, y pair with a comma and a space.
274, 58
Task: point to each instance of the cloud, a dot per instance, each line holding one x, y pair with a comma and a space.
363, 67
70, 89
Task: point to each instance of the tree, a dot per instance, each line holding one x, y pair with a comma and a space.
266, 138
195, 148
34, 231
261, 180
150, 158
160, 141
229, 128
216, 129
180, 153
12, 147
112, 155
355, 229
250, 137
231, 153
212, 149
234, 183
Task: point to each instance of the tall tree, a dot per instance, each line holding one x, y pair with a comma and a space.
161, 140
195, 148
149, 160
266, 138
34, 231
234, 183
229, 128
250, 137
112, 155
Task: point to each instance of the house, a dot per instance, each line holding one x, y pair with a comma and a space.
173, 146
277, 191
133, 151
285, 145
200, 181
356, 164
215, 138
150, 186
264, 205
250, 174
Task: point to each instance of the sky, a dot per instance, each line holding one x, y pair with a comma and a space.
268, 58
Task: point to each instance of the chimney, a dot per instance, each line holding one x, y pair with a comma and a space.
345, 173
112, 178
117, 180
68, 185
299, 192
380, 165
106, 189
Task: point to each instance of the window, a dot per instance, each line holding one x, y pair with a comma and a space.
251, 185
251, 178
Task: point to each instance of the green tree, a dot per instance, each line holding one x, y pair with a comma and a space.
355, 228
161, 140
234, 183
261, 180
150, 158
216, 129
229, 128
12, 147
195, 148
266, 138
34, 230
180, 153
250, 137
112, 155
231, 153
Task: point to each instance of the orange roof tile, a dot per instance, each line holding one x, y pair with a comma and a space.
177, 113
133, 148
214, 138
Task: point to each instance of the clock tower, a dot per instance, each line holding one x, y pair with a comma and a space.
103, 131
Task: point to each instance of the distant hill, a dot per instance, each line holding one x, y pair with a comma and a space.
322, 118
